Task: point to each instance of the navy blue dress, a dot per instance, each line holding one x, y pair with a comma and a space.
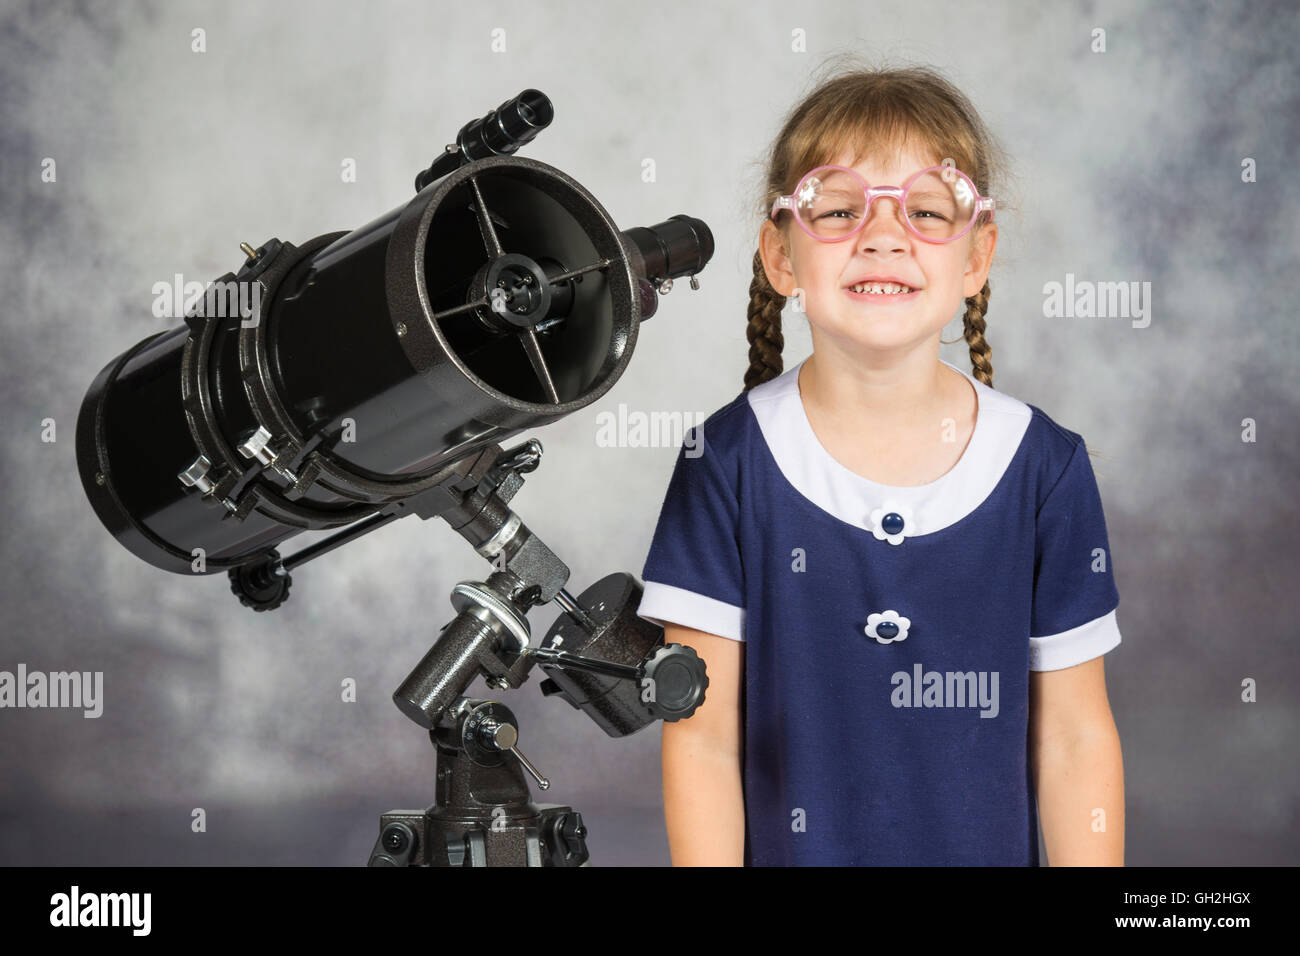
889, 631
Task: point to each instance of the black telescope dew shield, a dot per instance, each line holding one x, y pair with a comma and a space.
500, 298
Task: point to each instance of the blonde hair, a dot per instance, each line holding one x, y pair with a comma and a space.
872, 112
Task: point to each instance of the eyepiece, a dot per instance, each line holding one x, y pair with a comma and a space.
512, 124
500, 133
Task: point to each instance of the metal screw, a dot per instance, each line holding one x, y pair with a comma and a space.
196, 475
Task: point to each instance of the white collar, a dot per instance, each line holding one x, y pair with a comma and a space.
1000, 425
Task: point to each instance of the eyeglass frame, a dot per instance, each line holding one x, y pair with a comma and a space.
982, 203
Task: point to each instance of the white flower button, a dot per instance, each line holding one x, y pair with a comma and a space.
887, 627
892, 521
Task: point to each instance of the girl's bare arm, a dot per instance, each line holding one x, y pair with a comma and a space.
704, 804
1078, 766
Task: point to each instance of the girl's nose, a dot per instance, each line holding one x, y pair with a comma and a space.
884, 226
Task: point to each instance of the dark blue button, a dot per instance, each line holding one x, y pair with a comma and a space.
887, 629
892, 523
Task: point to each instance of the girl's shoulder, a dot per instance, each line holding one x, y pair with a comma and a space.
1054, 432
1054, 445
1060, 462
1025, 430
726, 429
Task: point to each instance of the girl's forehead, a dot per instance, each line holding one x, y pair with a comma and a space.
895, 162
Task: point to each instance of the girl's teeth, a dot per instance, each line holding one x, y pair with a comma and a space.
882, 288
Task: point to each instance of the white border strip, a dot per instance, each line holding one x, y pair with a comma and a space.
1056, 652
665, 604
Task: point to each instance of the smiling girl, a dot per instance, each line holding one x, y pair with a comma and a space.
864, 547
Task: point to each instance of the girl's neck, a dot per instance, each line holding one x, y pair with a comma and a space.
897, 427
915, 392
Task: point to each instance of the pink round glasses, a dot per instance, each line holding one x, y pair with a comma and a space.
831, 202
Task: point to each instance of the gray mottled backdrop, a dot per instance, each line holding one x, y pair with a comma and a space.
1128, 167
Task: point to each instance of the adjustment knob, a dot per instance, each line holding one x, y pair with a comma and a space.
674, 682
499, 735
262, 584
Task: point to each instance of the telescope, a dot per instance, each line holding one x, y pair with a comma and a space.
365, 375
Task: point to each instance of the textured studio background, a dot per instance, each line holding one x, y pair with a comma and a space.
1127, 166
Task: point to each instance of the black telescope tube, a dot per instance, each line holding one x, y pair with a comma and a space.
369, 368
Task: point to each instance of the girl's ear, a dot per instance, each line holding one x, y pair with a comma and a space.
980, 259
776, 258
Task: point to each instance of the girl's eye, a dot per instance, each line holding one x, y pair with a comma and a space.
929, 213
836, 212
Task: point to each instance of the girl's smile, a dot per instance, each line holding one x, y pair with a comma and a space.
878, 294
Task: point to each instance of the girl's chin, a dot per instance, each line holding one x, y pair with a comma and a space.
858, 320
883, 332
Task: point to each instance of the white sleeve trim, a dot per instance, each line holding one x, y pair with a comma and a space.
1056, 652
665, 604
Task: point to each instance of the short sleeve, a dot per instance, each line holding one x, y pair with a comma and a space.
693, 575
1073, 617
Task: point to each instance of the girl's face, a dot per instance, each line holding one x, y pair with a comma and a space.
942, 273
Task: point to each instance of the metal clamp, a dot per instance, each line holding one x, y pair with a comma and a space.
196, 476
258, 447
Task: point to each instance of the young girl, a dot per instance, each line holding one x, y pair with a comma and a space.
899, 578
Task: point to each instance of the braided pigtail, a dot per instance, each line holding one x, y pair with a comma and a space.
973, 328
764, 330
